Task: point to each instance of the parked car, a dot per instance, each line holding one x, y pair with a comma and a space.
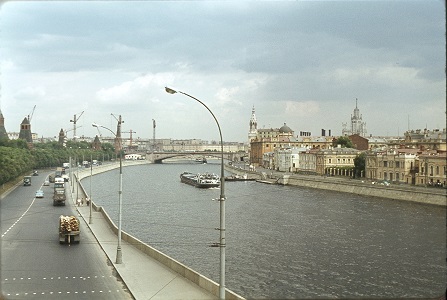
39, 194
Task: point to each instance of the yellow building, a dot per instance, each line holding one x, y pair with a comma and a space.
337, 161
432, 170
267, 140
410, 166
426, 139
395, 165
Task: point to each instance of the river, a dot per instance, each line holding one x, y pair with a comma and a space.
282, 241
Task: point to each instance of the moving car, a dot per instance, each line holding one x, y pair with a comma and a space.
46, 183
39, 194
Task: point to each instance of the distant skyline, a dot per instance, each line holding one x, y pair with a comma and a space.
302, 63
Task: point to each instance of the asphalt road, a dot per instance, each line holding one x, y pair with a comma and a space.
33, 263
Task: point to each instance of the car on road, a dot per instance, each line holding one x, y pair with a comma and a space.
46, 183
39, 194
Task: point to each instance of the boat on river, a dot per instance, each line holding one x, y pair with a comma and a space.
239, 178
201, 160
201, 180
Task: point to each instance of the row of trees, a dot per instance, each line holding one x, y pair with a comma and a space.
17, 159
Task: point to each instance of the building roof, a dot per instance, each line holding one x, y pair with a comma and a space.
285, 129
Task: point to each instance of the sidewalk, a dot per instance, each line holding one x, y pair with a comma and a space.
145, 277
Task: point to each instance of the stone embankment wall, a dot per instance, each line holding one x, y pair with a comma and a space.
433, 196
197, 278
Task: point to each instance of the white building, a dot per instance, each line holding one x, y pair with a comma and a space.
288, 159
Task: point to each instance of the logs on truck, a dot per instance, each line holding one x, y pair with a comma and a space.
68, 229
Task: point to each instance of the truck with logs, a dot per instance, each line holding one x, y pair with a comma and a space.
69, 230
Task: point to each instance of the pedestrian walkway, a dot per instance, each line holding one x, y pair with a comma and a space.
145, 277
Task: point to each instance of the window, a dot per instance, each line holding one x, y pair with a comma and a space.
385, 164
397, 164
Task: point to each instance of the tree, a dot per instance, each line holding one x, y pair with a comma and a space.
359, 165
344, 141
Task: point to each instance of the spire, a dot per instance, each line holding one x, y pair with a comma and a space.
253, 131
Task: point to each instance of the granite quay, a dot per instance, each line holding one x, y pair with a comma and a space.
425, 195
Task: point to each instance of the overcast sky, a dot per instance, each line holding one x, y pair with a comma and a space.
297, 62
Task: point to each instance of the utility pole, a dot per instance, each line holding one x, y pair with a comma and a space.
153, 135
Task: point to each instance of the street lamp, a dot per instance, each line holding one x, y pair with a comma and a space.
90, 220
222, 243
119, 254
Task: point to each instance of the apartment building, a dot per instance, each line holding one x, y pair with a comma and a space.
337, 161
432, 170
426, 139
393, 165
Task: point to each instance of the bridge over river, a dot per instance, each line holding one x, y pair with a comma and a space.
158, 157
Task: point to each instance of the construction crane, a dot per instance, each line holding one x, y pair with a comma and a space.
75, 119
131, 132
30, 116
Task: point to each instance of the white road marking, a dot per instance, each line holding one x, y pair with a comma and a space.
55, 293
18, 220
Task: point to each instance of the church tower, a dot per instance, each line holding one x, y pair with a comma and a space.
61, 137
3, 133
96, 143
253, 132
25, 131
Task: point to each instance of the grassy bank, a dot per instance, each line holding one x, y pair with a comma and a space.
9, 185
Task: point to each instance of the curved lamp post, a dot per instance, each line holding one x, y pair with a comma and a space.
119, 254
222, 243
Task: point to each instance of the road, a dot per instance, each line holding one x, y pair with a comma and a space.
33, 263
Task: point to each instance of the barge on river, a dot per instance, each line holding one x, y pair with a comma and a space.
203, 180
239, 178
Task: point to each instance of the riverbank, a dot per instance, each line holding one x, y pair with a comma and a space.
425, 195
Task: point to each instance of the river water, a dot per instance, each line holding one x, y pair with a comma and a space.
282, 241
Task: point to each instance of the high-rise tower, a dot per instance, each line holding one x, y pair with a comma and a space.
357, 124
